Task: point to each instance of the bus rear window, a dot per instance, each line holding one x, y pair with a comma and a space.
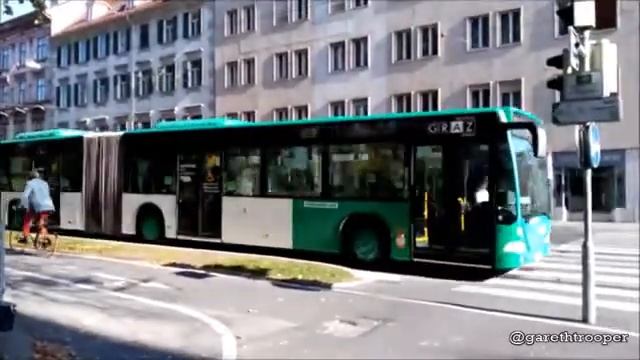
371, 171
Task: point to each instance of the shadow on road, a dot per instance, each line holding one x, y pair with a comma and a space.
256, 273
30, 333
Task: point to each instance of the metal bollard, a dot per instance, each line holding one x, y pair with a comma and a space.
7, 310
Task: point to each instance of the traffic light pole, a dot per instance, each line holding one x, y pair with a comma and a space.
588, 257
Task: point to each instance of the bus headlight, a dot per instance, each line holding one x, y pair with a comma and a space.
517, 247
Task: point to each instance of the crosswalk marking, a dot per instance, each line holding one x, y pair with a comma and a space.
120, 281
557, 278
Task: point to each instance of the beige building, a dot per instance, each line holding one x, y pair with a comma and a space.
292, 59
117, 61
25, 80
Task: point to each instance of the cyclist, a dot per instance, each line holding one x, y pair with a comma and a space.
36, 199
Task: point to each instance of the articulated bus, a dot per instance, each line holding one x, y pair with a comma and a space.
466, 187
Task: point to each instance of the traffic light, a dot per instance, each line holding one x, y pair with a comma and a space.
562, 62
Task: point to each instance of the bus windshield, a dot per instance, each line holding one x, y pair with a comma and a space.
532, 178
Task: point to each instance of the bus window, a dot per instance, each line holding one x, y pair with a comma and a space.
71, 171
242, 172
19, 168
151, 174
294, 171
4, 174
367, 170
533, 181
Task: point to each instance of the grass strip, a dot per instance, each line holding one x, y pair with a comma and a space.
253, 266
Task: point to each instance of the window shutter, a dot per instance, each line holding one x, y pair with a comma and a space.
185, 25
95, 47
160, 31
106, 87
87, 49
185, 75
59, 57
76, 52
107, 39
58, 94
76, 95
68, 95
115, 43
70, 54
174, 29
127, 40
95, 91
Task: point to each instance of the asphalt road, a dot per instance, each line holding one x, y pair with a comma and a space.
106, 308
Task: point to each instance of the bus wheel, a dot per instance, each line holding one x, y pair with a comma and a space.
365, 244
150, 226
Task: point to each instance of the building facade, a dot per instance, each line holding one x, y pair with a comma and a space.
125, 64
292, 59
25, 79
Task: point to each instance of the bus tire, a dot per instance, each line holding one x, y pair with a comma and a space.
365, 238
150, 223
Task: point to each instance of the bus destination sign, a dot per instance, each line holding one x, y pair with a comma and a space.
465, 126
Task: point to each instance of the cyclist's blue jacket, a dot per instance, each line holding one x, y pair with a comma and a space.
36, 196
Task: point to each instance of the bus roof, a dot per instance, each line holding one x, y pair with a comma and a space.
41, 135
511, 114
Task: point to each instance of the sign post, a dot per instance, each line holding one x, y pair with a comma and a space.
589, 94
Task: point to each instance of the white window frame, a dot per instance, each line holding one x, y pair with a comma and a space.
243, 71
293, 7
420, 99
102, 96
352, 4
41, 89
122, 85
331, 8
122, 41
192, 72
82, 52
195, 23
352, 105
343, 103
64, 54
164, 78
420, 35
294, 61
64, 94
476, 87
285, 108
5, 59
42, 48
228, 79
395, 100
345, 57
499, 39
469, 25
22, 53
352, 53
141, 82
245, 21
228, 24
244, 117
102, 45
510, 86
167, 36
395, 57
22, 91
294, 112
232, 115
276, 66
83, 89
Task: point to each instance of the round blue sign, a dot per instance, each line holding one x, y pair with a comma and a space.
593, 139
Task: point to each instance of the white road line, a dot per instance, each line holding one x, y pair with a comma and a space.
552, 286
563, 323
538, 296
229, 344
576, 267
557, 276
150, 284
617, 258
578, 261
600, 249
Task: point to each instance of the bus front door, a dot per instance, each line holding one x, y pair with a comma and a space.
443, 227
200, 195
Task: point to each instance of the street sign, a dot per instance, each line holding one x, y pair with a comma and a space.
592, 147
585, 111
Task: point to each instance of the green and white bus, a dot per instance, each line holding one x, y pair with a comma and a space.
465, 187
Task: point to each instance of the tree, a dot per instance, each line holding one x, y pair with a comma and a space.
39, 5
